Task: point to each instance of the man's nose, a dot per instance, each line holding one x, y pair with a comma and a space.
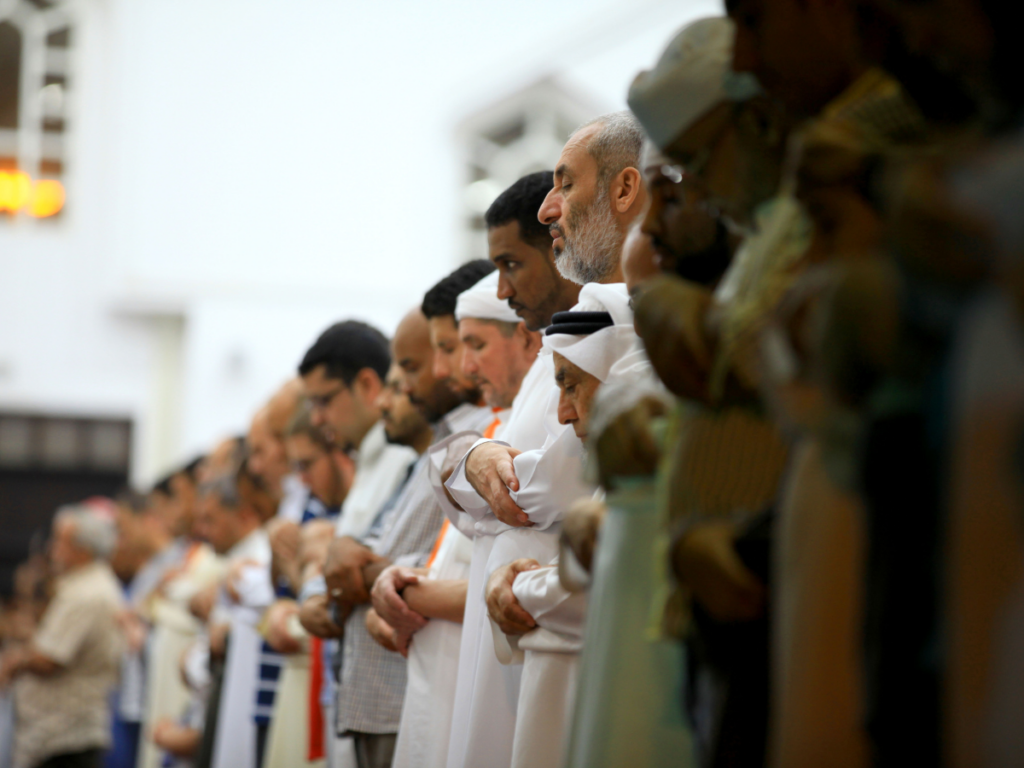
566, 411
550, 209
505, 291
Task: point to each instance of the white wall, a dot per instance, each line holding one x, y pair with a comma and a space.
259, 169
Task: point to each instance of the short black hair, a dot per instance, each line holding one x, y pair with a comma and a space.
345, 349
192, 468
521, 202
163, 486
440, 300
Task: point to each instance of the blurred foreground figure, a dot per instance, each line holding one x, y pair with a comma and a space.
64, 677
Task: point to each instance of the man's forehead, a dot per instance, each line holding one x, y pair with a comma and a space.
575, 155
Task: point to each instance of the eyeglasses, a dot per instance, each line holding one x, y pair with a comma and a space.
323, 401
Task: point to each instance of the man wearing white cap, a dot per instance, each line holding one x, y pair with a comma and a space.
498, 352
591, 345
598, 193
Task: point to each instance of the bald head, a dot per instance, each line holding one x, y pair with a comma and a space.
268, 459
412, 353
282, 407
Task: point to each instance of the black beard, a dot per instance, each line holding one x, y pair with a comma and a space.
707, 266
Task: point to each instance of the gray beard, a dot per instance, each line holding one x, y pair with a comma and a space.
595, 249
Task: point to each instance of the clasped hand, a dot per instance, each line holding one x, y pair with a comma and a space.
502, 604
491, 472
388, 602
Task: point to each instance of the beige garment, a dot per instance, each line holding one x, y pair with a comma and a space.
174, 630
818, 677
69, 711
288, 738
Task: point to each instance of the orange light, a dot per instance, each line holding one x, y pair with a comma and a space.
47, 199
15, 188
39, 199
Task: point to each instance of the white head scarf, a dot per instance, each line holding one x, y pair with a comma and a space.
482, 302
606, 348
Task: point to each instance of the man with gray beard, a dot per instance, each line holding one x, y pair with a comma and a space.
598, 192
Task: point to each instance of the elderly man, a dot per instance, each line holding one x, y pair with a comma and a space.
598, 192
65, 676
593, 345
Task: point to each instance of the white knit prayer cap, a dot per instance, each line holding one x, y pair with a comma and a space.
482, 302
693, 75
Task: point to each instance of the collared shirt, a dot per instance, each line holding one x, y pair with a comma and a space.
380, 467
69, 711
373, 679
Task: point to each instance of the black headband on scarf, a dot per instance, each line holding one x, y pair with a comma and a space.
578, 323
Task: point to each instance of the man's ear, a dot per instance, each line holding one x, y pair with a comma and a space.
626, 189
367, 386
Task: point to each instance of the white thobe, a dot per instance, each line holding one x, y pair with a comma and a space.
487, 693
235, 744
424, 732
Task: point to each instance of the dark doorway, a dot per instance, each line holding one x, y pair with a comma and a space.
49, 461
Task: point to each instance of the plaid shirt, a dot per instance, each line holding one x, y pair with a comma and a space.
373, 679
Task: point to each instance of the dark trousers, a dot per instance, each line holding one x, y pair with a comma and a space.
728, 670
261, 742
89, 758
374, 750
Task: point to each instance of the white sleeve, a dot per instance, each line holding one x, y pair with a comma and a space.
552, 606
551, 479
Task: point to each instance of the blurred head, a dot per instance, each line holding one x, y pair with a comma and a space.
267, 457
497, 356
520, 247
803, 52
226, 513
597, 193
638, 260
81, 536
311, 457
141, 533
576, 390
413, 354
685, 236
404, 423
182, 486
439, 308
342, 375
973, 43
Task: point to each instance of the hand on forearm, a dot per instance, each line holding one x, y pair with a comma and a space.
491, 472
315, 615
502, 604
438, 598
390, 605
343, 570
386, 635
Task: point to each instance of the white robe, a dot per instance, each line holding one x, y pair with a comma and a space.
550, 478
487, 693
433, 666
235, 744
